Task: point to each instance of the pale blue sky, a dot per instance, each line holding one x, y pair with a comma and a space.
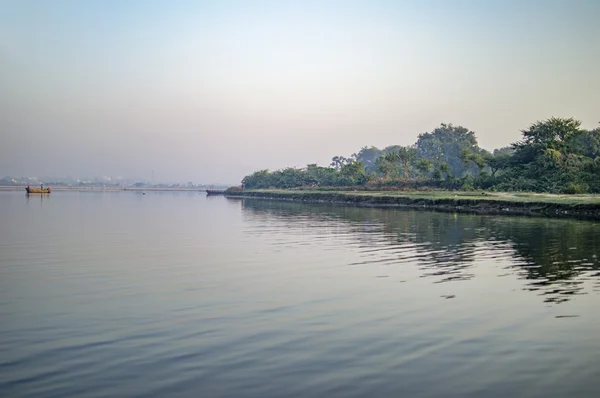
210, 91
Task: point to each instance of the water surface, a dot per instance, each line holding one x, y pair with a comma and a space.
179, 294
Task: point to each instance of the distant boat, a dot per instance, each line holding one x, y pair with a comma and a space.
215, 191
38, 190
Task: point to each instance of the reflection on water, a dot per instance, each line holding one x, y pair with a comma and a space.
180, 294
33, 199
555, 256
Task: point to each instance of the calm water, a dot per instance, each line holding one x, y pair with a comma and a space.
179, 294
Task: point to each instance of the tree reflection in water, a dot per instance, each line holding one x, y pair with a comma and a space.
555, 256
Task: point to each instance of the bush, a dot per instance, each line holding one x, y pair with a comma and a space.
575, 188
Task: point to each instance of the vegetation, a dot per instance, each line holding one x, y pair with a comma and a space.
435, 197
553, 156
531, 204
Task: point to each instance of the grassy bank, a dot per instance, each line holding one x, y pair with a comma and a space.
581, 206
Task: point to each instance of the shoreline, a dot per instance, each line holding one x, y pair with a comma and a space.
496, 203
107, 189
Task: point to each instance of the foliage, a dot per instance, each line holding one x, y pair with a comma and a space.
350, 173
406, 157
368, 156
339, 161
445, 144
555, 156
353, 173
423, 166
551, 157
388, 164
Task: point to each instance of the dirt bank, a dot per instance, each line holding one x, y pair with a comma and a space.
483, 203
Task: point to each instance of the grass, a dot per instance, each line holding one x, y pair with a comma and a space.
509, 197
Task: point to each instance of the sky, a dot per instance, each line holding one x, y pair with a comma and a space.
210, 91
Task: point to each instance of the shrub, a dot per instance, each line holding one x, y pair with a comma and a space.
575, 188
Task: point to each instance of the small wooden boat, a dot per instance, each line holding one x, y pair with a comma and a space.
215, 191
38, 190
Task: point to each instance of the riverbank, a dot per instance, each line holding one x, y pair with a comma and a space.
573, 206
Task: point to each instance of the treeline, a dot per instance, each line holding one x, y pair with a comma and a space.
555, 155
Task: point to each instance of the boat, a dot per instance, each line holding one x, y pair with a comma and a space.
38, 190
215, 191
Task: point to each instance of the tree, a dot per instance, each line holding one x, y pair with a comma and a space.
547, 156
587, 143
354, 173
338, 161
444, 169
290, 177
445, 144
424, 166
321, 176
554, 155
554, 133
498, 162
258, 179
391, 148
368, 156
406, 156
469, 158
388, 164
506, 150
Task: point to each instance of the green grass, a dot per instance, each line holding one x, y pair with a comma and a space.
514, 197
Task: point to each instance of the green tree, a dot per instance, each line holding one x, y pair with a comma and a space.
545, 159
445, 144
587, 143
368, 156
554, 155
388, 164
423, 166
354, 173
321, 176
257, 180
391, 148
554, 133
470, 158
338, 161
498, 162
406, 156
440, 170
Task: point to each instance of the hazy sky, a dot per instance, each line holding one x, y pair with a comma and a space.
211, 91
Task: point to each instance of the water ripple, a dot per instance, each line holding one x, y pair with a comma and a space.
167, 295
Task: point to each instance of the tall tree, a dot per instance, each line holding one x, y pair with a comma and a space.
445, 144
554, 133
545, 156
407, 155
368, 156
389, 164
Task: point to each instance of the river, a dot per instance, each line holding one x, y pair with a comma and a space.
174, 294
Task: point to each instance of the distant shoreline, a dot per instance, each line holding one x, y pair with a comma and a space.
501, 203
112, 189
